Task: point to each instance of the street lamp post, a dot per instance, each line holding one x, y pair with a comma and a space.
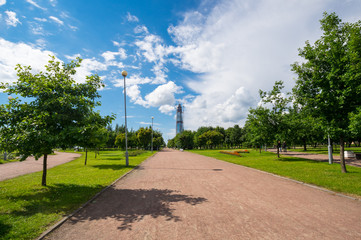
152, 134
124, 74
330, 157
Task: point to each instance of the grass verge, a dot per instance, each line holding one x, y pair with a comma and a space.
317, 173
27, 208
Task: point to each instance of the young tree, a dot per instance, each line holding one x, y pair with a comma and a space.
260, 127
279, 106
54, 113
329, 79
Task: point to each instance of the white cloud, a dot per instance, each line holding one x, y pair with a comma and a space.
135, 96
151, 48
27, 55
132, 18
74, 57
57, 20
237, 49
141, 29
115, 43
110, 56
35, 4
41, 43
73, 28
37, 29
11, 19
167, 109
2, 2
87, 68
163, 95
20, 53
41, 19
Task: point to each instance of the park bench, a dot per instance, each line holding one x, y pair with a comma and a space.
349, 154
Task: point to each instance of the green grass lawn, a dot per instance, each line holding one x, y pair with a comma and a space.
27, 208
317, 173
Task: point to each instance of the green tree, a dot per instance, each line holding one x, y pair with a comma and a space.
158, 140
329, 78
355, 124
185, 140
212, 138
93, 134
260, 127
279, 106
198, 140
144, 136
53, 113
120, 141
171, 143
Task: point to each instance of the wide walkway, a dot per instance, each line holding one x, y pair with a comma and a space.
180, 195
30, 165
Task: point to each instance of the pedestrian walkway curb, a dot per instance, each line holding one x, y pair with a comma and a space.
63, 220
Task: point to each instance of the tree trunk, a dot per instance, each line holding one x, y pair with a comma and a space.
86, 156
260, 149
342, 155
304, 145
43, 182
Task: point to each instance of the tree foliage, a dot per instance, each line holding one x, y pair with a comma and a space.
329, 79
50, 110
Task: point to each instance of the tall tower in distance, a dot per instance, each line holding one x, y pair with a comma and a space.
179, 126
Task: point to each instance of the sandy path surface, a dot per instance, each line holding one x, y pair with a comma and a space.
30, 165
180, 195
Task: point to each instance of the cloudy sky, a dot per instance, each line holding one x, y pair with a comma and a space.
212, 56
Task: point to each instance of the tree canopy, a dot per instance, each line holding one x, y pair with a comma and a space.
49, 110
329, 79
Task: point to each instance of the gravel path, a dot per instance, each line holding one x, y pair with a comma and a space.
180, 195
30, 165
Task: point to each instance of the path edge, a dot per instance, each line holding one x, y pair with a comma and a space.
64, 219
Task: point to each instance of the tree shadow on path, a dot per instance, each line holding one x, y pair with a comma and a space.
132, 205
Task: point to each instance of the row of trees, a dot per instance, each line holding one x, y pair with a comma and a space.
324, 102
208, 137
141, 138
50, 110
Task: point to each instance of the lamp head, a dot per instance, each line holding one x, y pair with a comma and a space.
124, 73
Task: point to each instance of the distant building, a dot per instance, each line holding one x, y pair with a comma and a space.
179, 126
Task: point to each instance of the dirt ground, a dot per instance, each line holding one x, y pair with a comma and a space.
180, 195
30, 165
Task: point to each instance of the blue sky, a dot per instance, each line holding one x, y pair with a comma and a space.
212, 56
